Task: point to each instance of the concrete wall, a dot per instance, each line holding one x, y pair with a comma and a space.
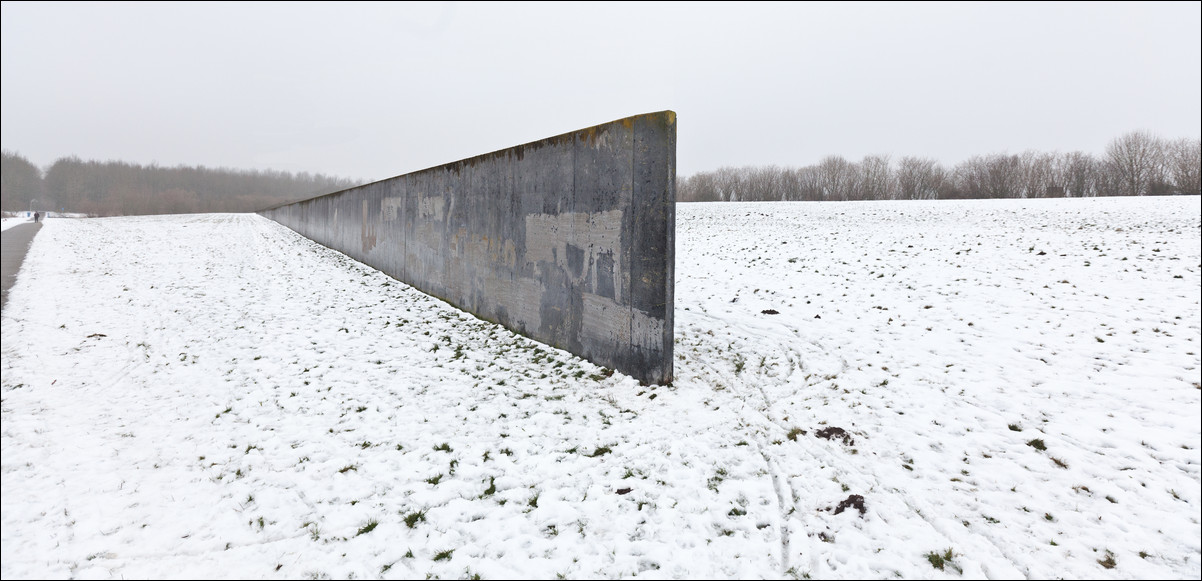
568, 240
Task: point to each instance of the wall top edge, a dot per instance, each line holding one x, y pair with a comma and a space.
666, 117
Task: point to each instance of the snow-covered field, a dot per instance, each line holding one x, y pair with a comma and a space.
979, 389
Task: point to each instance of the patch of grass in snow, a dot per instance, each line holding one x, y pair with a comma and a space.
443, 447
793, 433
367, 528
792, 572
492, 487
1015, 427
1109, 561
348, 468
716, 479
739, 362
443, 555
411, 521
314, 531
1037, 444
435, 480
601, 451
939, 561
1059, 462
605, 372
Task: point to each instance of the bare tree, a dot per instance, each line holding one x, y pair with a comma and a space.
919, 178
1080, 174
20, 182
838, 178
809, 183
1004, 176
876, 180
1134, 163
699, 187
726, 179
761, 183
972, 177
1038, 174
1183, 160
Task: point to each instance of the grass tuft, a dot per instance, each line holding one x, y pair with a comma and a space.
367, 528
938, 561
413, 518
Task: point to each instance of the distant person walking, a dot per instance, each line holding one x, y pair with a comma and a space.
37, 217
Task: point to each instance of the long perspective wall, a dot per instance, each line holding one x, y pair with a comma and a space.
568, 240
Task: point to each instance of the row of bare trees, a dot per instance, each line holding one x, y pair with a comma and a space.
1136, 164
117, 188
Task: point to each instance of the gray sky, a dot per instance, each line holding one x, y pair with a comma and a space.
376, 90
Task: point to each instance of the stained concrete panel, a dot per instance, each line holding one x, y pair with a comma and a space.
568, 240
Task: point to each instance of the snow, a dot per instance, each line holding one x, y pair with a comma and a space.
214, 396
22, 218
6, 223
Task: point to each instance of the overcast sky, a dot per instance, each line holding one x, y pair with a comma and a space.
369, 91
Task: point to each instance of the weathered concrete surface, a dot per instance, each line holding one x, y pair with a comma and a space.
568, 240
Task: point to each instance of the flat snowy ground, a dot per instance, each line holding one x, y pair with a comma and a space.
1015, 387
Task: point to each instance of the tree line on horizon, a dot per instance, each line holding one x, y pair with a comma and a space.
116, 188
1136, 164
